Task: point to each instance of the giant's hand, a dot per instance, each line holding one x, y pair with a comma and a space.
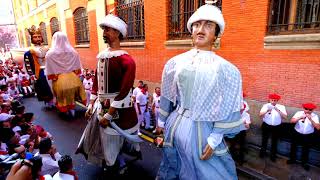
207, 153
88, 113
159, 130
104, 122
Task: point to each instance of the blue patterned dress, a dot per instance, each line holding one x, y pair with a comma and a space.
185, 136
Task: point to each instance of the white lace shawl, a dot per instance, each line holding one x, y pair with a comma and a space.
217, 89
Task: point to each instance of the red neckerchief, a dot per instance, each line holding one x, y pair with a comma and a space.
41, 178
73, 173
144, 91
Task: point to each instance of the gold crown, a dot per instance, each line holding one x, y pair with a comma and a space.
33, 30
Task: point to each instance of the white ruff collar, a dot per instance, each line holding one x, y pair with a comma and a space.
109, 54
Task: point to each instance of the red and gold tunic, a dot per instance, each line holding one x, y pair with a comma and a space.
113, 83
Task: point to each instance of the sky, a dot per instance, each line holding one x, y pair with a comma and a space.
6, 12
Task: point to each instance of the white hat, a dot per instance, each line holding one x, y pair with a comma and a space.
16, 128
5, 117
210, 13
116, 23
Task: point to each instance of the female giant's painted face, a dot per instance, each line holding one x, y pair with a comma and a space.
203, 34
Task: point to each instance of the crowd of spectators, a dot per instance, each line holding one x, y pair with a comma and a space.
19, 134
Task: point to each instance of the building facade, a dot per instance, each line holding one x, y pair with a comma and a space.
274, 43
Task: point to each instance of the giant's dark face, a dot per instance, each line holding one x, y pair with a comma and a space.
110, 35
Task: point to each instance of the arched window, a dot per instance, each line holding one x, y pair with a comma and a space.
81, 26
21, 38
44, 33
27, 37
54, 25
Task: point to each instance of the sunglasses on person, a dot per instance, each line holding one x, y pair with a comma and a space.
308, 109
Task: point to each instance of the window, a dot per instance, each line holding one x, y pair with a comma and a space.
27, 37
294, 17
44, 33
32, 4
81, 26
54, 25
132, 12
179, 14
40, 2
21, 38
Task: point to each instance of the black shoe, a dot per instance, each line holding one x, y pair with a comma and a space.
139, 155
291, 161
262, 154
123, 170
305, 167
273, 159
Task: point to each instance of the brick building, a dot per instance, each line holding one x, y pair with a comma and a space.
274, 43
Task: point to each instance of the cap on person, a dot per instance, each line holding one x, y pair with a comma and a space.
274, 96
114, 22
207, 12
309, 106
5, 117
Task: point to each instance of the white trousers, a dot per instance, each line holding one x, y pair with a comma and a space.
144, 117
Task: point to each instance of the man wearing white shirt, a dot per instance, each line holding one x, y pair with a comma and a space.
137, 89
272, 114
240, 139
142, 106
88, 84
156, 105
135, 93
305, 122
50, 157
66, 169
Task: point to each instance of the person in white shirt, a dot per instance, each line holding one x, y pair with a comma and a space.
14, 92
272, 114
11, 79
23, 74
156, 105
50, 157
305, 122
142, 106
3, 80
240, 138
88, 83
244, 95
66, 169
135, 92
137, 89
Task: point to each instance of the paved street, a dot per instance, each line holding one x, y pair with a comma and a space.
67, 132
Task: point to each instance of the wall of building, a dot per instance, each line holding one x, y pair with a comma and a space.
89, 51
291, 73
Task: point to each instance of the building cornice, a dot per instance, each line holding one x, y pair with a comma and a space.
293, 42
34, 12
